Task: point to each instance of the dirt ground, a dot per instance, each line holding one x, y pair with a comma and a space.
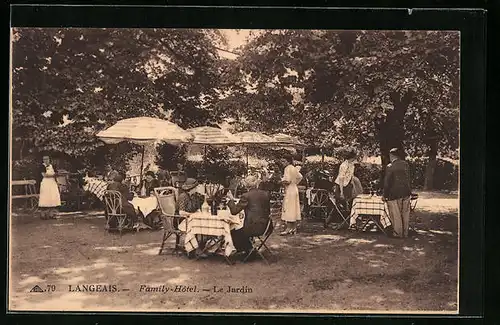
315, 270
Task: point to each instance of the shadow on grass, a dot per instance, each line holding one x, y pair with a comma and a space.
318, 269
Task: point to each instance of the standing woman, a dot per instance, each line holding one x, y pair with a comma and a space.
291, 204
344, 182
49, 191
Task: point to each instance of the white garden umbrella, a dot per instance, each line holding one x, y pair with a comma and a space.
211, 136
254, 138
286, 140
144, 130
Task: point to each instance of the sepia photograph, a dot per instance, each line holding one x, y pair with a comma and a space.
234, 170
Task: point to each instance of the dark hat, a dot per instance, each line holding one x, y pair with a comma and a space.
394, 151
150, 173
189, 184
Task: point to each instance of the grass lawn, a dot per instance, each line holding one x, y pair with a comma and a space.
316, 270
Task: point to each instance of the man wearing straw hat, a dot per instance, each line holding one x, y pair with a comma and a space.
257, 206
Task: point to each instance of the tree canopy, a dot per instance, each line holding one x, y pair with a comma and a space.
372, 89
391, 88
70, 83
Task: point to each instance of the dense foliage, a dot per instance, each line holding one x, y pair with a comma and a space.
370, 89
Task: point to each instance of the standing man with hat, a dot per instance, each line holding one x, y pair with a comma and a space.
397, 192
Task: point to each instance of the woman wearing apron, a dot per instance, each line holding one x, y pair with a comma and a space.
50, 198
291, 204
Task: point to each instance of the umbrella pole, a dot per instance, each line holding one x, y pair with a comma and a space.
247, 160
142, 164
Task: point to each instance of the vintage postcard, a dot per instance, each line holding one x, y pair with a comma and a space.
223, 170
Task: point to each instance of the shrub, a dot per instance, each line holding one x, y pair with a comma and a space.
445, 174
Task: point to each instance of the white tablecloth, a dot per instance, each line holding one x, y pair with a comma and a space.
370, 205
95, 186
146, 205
203, 223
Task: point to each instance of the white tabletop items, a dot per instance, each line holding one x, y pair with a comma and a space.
145, 204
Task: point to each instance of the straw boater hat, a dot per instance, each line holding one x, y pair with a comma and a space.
396, 152
189, 184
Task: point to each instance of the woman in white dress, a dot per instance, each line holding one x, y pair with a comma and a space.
50, 198
291, 204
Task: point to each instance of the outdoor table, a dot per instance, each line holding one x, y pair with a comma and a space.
370, 205
204, 223
95, 186
145, 204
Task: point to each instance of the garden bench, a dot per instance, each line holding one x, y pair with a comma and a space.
29, 193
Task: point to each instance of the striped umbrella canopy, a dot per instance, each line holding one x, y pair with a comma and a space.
248, 137
211, 136
254, 138
287, 140
144, 130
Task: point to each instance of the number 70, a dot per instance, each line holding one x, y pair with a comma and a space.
51, 288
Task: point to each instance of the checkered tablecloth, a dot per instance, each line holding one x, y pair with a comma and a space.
95, 186
370, 205
203, 223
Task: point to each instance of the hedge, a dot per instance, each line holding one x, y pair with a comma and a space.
220, 169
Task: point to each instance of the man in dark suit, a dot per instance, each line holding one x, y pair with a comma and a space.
127, 207
257, 206
397, 192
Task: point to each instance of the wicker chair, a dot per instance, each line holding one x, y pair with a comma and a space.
167, 200
114, 210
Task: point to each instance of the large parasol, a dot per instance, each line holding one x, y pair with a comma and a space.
286, 140
248, 138
144, 130
212, 136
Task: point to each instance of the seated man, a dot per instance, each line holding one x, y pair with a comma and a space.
189, 200
149, 183
127, 207
179, 176
257, 207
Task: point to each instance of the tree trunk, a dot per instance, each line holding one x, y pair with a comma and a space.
21, 148
431, 165
391, 130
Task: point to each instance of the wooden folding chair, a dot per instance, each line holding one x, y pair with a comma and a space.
114, 210
259, 243
345, 217
413, 205
167, 200
217, 242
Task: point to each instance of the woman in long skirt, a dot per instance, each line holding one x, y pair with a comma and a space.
291, 204
50, 198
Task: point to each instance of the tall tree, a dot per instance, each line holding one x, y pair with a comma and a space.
70, 83
380, 89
